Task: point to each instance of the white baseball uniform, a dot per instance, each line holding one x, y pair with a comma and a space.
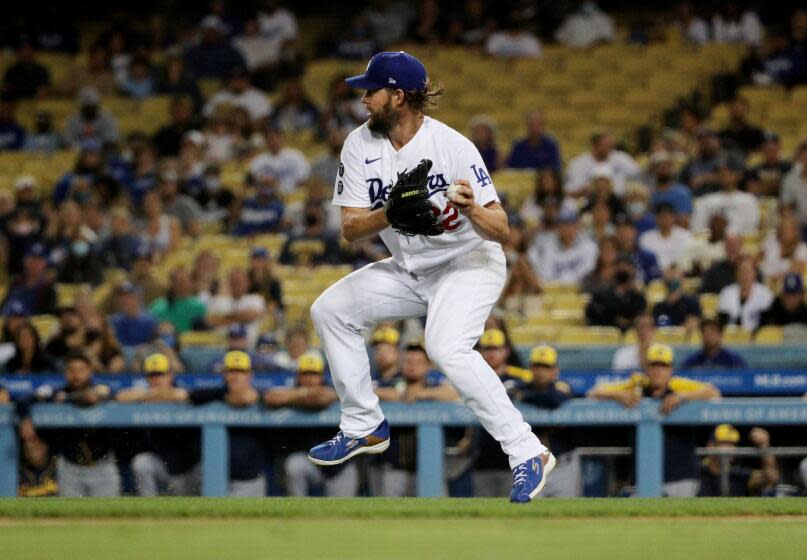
454, 279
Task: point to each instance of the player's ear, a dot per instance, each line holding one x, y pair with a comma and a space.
398, 97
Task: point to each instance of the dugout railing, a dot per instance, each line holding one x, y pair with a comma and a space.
428, 418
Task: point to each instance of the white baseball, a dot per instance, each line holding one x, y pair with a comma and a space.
452, 193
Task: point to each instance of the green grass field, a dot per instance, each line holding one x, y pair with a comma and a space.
420, 529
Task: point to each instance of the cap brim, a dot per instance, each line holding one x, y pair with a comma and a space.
363, 82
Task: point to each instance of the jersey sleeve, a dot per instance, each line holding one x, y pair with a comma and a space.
685, 385
350, 189
468, 165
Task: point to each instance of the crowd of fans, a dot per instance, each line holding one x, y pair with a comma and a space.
694, 211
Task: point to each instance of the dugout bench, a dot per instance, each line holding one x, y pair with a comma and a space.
428, 418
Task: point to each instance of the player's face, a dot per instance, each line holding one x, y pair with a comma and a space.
495, 356
380, 110
159, 380
543, 375
386, 355
415, 366
310, 379
659, 375
237, 380
77, 373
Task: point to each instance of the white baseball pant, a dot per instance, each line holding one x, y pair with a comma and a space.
456, 299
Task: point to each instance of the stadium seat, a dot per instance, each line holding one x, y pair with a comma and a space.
532, 335
589, 336
734, 334
202, 338
671, 335
769, 335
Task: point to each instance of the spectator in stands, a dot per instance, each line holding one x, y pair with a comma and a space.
15, 315
386, 355
205, 275
70, 336
139, 82
96, 73
743, 302
26, 194
395, 476
12, 134
133, 326
620, 303
262, 280
567, 256
159, 231
548, 191
168, 138
86, 464
237, 306
638, 207
344, 109
44, 139
29, 357
79, 182
740, 135
647, 268
240, 93
33, 288
538, 150
766, 178
310, 393
279, 24
783, 251
237, 340
262, 213
701, 252
217, 200
677, 309
264, 354
103, 349
667, 190
297, 344
163, 342
279, 166
603, 274
295, 111
723, 272
175, 79
26, 78
545, 390
788, 308
179, 307
586, 27
91, 120
634, 356
700, 173
513, 39
247, 446
757, 477
494, 349
170, 462
713, 354
314, 245
141, 275
213, 57
118, 248
730, 25
580, 169
794, 187
483, 134
73, 247
691, 27
179, 205
601, 192
666, 241
471, 23
680, 467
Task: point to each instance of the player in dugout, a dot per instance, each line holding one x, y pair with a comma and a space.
659, 383
310, 393
169, 463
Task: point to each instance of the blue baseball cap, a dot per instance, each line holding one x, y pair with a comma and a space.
392, 69
792, 284
259, 253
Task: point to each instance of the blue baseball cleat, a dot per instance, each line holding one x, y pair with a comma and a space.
341, 448
529, 478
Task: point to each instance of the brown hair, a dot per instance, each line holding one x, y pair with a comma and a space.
425, 100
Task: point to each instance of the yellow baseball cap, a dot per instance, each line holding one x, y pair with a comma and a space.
310, 363
237, 361
492, 338
157, 363
544, 356
386, 335
660, 354
726, 433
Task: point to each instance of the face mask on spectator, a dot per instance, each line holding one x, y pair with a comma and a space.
673, 285
80, 248
212, 183
637, 209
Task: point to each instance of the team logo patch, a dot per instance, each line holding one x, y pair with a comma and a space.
340, 187
341, 169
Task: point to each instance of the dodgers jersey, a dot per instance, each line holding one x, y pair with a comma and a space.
369, 168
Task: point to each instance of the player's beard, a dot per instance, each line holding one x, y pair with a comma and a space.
382, 121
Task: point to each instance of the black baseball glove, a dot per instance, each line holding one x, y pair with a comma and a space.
407, 208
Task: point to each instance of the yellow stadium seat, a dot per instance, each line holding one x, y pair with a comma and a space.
671, 335
734, 334
45, 325
532, 335
770, 334
203, 338
566, 300
66, 294
589, 336
709, 304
